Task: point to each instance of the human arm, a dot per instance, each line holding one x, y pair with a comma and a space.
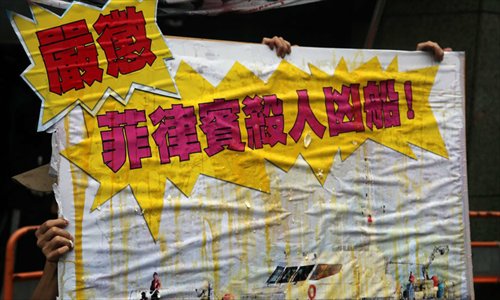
47, 286
54, 241
434, 49
279, 44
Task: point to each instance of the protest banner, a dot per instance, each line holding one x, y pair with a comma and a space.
228, 173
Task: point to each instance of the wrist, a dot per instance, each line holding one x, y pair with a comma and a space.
50, 267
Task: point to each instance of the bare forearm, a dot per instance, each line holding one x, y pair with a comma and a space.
47, 286
54, 241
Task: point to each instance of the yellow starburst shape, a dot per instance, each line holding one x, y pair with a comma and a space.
302, 95
89, 54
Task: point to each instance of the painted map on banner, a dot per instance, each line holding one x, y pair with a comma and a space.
331, 174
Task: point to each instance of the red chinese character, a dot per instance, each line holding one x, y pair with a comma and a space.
262, 128
219, 122
381, 105
124, 41
391, 105
342, 115
305, 115
275, 124
124, 134
70, 57
176, 133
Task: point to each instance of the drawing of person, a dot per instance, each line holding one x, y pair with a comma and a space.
155, 287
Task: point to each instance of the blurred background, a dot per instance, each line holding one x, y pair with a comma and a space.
472, 26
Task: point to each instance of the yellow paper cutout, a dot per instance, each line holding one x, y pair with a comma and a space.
153, 76
247, 168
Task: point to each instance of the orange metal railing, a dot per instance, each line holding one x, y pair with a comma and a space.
484, 214
485, 244
10, 259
